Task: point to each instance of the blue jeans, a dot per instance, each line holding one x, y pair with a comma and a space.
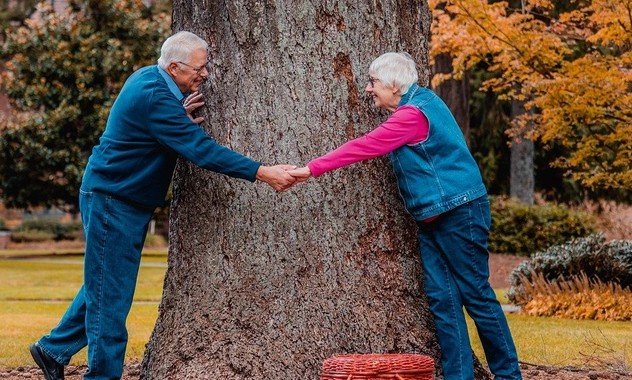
115, 234
454, 255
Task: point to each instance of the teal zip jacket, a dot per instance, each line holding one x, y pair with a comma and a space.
147, 130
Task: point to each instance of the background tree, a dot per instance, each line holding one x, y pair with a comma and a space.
263, 285
14, 12
455, 93
62, 75
570, 66
521, 182
489, 119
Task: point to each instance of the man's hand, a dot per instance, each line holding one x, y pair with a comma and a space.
301, 174
193, 102
276, 176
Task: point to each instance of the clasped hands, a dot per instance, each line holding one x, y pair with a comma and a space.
283, 177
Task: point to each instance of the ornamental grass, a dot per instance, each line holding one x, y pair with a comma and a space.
576, 298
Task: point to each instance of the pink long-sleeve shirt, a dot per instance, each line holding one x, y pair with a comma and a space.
407, 125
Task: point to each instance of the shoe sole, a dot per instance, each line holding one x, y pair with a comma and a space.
39, 361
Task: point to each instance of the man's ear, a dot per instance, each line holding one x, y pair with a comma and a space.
172, 68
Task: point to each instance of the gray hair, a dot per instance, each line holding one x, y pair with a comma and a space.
395, 69
178, 47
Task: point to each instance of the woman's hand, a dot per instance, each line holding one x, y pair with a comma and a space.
301, 174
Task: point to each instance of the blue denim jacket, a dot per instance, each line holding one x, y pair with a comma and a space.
438, 174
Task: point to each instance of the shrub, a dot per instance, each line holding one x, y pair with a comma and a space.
155, 241
50, 227
31, 236
522, 230
70, 231
576, 298
3, 224
600, 261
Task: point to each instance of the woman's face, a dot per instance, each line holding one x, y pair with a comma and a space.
386, 97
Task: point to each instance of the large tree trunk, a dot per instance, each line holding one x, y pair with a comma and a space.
264, 285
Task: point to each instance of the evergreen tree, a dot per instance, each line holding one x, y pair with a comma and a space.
62, 73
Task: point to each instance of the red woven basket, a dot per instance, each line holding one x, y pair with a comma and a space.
378, 366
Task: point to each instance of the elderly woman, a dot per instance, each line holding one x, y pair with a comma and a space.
442, 189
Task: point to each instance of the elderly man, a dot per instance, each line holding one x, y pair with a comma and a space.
126, 178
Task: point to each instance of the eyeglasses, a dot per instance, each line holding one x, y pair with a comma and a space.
372, 81
196, 69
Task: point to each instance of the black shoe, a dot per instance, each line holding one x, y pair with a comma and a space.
52, 370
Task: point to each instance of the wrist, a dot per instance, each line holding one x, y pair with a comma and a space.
261, 173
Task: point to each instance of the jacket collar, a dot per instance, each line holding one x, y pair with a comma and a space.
171, 83
406, 98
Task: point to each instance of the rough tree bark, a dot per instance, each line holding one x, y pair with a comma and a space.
264, 285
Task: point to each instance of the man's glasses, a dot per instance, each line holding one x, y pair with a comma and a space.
372, 81
197, 70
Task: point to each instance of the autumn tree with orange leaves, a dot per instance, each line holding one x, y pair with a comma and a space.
572, 68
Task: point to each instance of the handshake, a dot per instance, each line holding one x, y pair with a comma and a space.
283, 177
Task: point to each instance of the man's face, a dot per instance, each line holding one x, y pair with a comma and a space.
190, 75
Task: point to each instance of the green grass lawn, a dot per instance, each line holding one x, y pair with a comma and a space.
561, 342
35, 293
25, 322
